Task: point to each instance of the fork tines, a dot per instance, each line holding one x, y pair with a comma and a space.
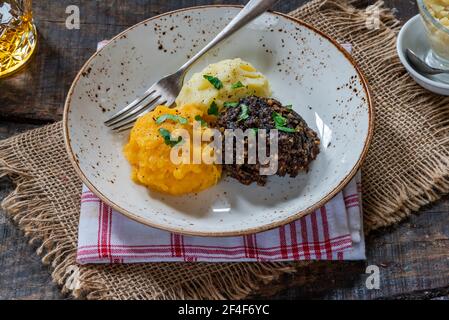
124, 119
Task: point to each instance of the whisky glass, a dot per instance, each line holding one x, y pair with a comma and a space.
17, 35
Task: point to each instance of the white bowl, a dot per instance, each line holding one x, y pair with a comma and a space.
413, 36
306, 69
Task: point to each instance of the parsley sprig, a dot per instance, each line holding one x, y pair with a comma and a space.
231, 104
237, 85
213, 109
281, 123
244, 114
172, 117
168, 139
214, 81
201, 120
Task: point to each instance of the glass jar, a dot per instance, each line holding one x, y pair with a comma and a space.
438, 36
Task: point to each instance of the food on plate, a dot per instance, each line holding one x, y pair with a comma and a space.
227, 95
149, 148
439, 9
298, 145
438, 32
228, 80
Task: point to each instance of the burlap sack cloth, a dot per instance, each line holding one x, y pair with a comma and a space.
406, 168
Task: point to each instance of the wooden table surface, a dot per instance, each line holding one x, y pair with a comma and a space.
413, 257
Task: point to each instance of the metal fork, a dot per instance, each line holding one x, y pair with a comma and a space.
165, 91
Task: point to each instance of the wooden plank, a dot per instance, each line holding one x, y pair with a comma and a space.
413, 257
22, 276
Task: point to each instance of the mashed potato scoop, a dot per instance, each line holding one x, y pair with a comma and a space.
227, 80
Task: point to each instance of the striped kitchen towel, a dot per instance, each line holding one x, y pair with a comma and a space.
334, 232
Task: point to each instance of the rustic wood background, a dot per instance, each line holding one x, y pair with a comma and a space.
413, 257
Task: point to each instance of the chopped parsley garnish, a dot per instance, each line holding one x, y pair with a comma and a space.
167, 138
172, 117
214, 81
231, 104
286, 129
237, 85
290, 106
213, 109
279, 119
199, 119
280, 122
245, 112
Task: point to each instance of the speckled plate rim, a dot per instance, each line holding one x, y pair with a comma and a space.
248, 231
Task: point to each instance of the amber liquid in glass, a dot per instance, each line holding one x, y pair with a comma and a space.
17, 35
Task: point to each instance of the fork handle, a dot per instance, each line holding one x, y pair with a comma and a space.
251, 11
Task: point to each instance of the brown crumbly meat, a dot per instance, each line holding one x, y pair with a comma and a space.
296, 150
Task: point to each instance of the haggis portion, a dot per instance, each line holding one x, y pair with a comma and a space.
298, 145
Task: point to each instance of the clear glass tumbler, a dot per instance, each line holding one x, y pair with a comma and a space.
17, 35
438, 35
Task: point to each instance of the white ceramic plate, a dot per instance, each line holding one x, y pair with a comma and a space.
305, 68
